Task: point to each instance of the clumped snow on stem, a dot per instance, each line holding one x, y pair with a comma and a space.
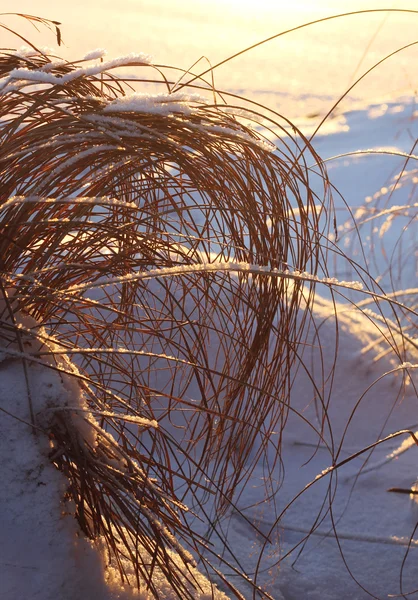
163, 104
95, 54
39, 76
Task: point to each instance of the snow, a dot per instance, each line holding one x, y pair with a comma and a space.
373, 527
164, 104
27, 52
95, 54
217, 266
41, 77
100, 201
44, 556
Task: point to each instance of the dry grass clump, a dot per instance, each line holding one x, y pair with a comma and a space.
167, 248
128, 223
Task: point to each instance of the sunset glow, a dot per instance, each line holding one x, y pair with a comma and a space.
279, 7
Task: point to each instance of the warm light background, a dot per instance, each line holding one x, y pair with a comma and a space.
301, 71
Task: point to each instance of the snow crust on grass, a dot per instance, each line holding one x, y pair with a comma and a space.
207, 267
95, 54
163, 104
39, 76
28, 52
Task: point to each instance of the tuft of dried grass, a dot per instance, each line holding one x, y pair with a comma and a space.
115, 213
155, 237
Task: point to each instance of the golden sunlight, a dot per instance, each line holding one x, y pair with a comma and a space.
277, 6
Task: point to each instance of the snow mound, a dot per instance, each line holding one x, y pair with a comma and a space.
44, 554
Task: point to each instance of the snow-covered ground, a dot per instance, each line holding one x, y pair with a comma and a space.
368, 542
374, 527
369, 539
43, 553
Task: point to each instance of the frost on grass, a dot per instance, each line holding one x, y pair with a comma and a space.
219, 266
